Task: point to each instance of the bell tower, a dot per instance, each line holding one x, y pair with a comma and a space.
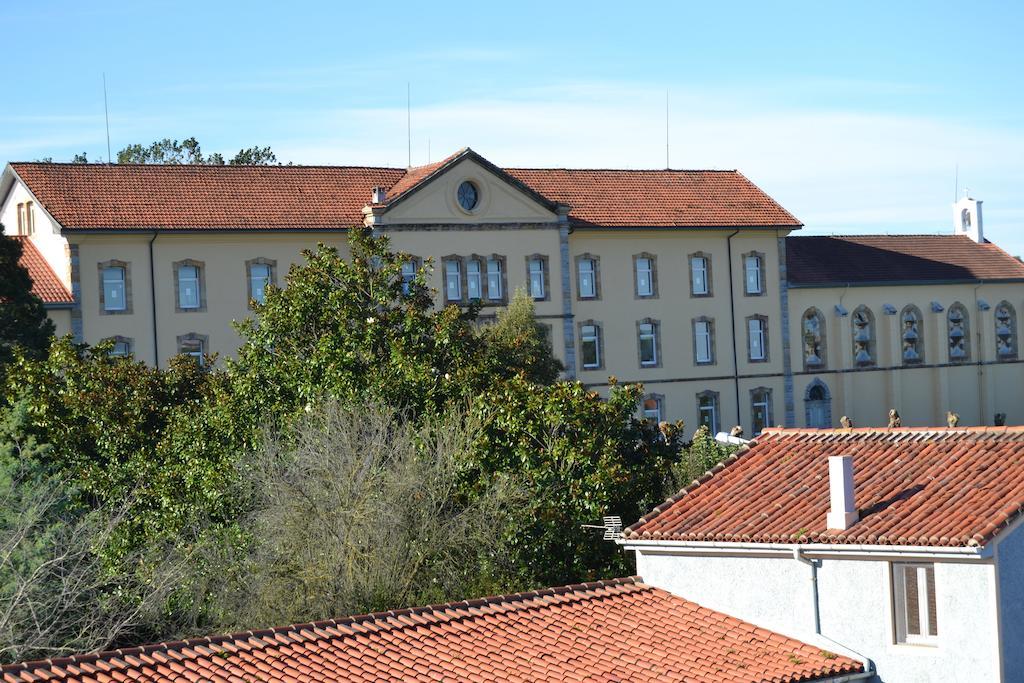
967, 219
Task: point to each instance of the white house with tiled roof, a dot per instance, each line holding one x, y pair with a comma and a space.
901, 547
690, 282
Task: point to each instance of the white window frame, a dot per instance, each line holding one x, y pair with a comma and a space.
702, 331
649, 335
711, 409
590, 334
649, 271
408, 275
699, 274
752, 267
183, 281
196, 354
901, 606
756, 339
538, 284
657, 412
121, 292
587, 271
453, 280
258, 283
494, 279
474, 280
126, 348
760, 399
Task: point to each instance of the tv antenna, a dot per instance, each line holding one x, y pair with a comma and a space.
106, 114
408, 118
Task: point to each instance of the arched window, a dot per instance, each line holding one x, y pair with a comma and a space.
818, 405
912, 335
813, 324
863, 337
958, 328
1006, 331
965, 219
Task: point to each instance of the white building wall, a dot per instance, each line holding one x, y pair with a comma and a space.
47, 237
855, 606
1010, 561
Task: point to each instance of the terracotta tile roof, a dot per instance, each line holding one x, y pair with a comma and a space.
45, 283
129, 196
622, 198
912, 486
619, 630
893, 258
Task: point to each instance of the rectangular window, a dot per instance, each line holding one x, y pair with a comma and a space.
699, 275
122, 347
537, 279
188, 287
494, 279
590, 344
474, 284
453, 280
702, 342
194, 348
707, 411
648, 344
752, 268
760, 410
588, 284
755, 333
408, 275
652, 408
644, 277
914, 603
259, 278
113, 289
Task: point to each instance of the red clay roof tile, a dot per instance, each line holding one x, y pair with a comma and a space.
45, 283
912, 486
603, 631
820, 261
139, 197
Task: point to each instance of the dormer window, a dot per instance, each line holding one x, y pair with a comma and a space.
468, 195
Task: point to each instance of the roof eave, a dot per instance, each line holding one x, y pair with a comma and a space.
817, 550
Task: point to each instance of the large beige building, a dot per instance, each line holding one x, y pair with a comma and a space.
687, 281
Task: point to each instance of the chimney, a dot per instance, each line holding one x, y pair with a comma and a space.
843, 512
380, 195
967, 219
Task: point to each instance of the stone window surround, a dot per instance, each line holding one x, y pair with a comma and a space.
127, 266
764, 338
176, 267
764, 280
808, 400
872, 341
823, 344
600, 344
716, 425
712, 340
707, 273
769, 411
657, 343
654, 276
118, 339
957, 306
463, 262
1013, 329
546, 269
503, 264
259, 260
597, 276
660, 398
203, 339
911, 308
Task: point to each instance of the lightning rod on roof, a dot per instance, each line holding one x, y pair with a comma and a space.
667, 164
106, 114
408, 118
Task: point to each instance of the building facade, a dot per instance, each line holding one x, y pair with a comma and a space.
687, 281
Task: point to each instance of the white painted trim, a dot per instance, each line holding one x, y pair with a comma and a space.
817, 550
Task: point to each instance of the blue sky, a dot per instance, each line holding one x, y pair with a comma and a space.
853, 115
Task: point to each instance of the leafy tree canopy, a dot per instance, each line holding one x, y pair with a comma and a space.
23, 320
188, 151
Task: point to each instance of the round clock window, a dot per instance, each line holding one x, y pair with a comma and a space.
469, 196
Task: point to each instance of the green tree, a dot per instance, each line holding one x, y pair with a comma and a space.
189, 151
80, 158
23, 320
516, 343
581, 457
254, 156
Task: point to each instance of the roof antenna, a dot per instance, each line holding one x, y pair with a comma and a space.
956, 184
408, 118
106, 115
428, 150
667, 164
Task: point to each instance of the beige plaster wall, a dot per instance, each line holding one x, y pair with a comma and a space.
61, 318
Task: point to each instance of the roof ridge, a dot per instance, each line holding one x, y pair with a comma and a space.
92, 165
840, 431
179, 645
622, 170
